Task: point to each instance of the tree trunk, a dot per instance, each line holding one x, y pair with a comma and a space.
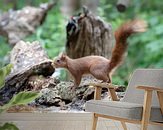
88, 35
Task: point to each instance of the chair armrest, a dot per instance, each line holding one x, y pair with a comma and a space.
148, 99
103, 85
150, 88
98, 88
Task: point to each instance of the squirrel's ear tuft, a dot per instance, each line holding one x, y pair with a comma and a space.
62, 55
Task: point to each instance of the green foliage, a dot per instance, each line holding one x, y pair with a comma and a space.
4, 72
21, 98
18, 99
145, 49
51, 34
8, 126
4, 51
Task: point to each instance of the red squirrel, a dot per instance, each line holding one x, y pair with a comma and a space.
99, 66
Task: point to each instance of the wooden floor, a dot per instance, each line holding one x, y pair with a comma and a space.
58, 121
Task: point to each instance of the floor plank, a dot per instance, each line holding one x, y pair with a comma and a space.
58, 121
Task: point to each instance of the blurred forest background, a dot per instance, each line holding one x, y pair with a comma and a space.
145, 50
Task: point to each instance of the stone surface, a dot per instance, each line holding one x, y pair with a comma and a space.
49, 97
39, 82
63, 92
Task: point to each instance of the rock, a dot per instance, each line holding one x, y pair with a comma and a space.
65, 91
16, 25
88, 94
28, 59
49, 97
77, 105
120, 88
120, 95
63, 96
38, 82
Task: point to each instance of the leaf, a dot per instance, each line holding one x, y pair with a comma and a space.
8, 126
22, 98
1, 110
4, 72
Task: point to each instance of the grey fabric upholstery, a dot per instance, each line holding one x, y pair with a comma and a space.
132, 104
114, 108
147, 77
132, 111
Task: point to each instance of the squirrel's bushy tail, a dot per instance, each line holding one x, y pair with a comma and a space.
121, 35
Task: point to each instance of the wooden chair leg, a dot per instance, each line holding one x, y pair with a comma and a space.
113, 94
160, 98
124, 125
146, 109
97, 95
94, 123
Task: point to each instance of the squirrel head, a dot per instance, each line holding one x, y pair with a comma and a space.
60, 61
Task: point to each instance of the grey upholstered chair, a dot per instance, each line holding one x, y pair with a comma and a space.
142, 103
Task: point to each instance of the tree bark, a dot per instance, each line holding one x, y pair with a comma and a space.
88, 36
28, 59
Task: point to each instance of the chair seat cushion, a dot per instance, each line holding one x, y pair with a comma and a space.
131, 111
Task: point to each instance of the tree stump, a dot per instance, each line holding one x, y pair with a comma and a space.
16, 25
28, 59
88, 34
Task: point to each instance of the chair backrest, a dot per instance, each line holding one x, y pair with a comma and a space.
147, 77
